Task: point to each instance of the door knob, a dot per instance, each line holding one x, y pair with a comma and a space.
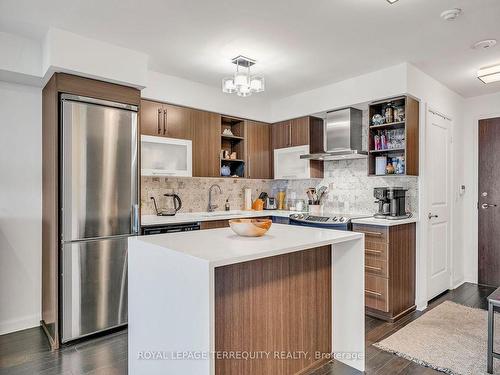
485, 206
430, 216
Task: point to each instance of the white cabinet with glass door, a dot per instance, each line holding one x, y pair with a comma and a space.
162, 156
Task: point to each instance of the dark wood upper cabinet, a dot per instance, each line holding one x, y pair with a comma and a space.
298, 132
280, 135
206, 143
177, 122
258, 159
151, 118
406, 125
165, 120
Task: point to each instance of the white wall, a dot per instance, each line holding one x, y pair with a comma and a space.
72, 53
20, 59
434, 95
181, 91
480, 107
20, 206
380, 84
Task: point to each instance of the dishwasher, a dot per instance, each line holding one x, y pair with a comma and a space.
170, 228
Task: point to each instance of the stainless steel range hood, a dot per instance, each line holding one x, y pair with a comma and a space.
342, 136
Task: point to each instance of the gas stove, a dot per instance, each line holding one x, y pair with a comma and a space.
331, 221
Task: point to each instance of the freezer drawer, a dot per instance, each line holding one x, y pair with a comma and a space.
94, 286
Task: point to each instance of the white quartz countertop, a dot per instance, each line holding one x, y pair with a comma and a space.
221, 247
385, 222
188, 217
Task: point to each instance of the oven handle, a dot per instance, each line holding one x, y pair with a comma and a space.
339, 226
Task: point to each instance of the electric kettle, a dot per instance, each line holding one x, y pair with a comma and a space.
176, 204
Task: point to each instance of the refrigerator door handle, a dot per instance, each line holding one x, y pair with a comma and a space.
135, 219
93, 239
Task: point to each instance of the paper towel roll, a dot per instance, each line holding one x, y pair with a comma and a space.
248, 199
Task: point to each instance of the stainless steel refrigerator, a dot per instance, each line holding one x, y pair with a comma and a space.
99, 196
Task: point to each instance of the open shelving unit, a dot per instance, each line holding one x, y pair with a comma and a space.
407, 150
233, 143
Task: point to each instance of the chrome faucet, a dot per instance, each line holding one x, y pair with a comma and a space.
212, 207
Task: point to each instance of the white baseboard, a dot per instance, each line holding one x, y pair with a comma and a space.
458, 283
13, 325
421, 306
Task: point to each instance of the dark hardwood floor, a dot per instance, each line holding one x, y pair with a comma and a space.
27, 352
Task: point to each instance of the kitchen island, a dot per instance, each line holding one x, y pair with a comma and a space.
211, 302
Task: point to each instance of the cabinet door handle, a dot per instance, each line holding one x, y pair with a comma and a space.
159, 114
290, 133
373, 268
165, 125
376, 234
373, 293
373, 251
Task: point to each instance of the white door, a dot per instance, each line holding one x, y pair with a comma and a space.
438, 172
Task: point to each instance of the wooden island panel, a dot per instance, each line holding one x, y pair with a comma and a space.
276, 304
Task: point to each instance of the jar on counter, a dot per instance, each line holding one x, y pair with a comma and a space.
281, 199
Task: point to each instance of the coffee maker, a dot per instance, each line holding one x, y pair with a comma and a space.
384, 209
391, 203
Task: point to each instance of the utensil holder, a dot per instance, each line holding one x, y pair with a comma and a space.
316, 209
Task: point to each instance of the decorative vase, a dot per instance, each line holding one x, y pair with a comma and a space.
225, 171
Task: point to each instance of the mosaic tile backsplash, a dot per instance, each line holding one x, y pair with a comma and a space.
194, 192
350, 190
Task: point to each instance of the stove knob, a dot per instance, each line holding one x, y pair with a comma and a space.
342, 219
334, 218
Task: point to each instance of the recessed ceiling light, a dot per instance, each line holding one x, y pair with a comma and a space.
392, 1
490, 74
484, 44
451, 14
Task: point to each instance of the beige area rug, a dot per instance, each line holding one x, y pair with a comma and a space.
451, 338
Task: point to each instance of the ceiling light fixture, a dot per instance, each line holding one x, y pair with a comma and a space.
490, 74
451, 14
392, 1
242, 82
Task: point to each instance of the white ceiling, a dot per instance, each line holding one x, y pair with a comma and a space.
299, 44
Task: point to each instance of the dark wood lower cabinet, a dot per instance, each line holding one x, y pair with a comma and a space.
389, 270
280, 304
214, 224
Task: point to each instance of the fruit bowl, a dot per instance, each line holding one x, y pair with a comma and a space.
250, 227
